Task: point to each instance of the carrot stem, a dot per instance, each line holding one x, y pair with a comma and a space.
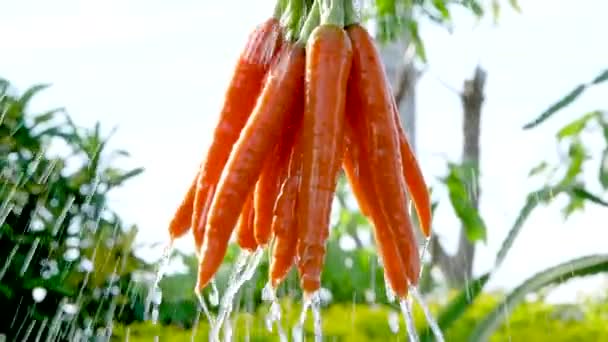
312, 21
332, 12
292, 18
279, 8
351, 16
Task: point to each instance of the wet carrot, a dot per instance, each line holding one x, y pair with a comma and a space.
270, 117
378, 131
352, 168
328, 62
180, 223
284, 223
414, 178
240, 99
269, 185
244, 229
367, 197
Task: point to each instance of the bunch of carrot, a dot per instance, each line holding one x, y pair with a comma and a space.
308, 97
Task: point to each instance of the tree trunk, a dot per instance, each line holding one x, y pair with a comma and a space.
458, 269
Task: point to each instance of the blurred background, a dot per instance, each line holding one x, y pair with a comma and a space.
107, 108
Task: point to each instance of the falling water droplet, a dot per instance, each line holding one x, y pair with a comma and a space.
214, 294
250, 263
406, 310
38, 294
29, 256
316, 314
393, 322
427, 314
390, 294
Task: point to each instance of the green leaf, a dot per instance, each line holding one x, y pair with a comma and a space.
576, 126
533, 199
440, 5
515, 5
603, 176
47, 116
601, 77
114, 178
29, 94
587, 265
577, 155
538, 169
456, 182
565, 101
584, 194
420, 50
456, 307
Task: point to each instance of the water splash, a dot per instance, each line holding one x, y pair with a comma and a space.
154, 298
425, 249
214, 294
243, 271
427, 314
203, 306
316, 314
390, 294
312, 301
274, 312
406, 310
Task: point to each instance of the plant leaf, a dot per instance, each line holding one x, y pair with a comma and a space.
565, 101
603, 176
584, 194
538, 169
576, 126
601, 77
587, 265
515, 5
420, 50
473, 224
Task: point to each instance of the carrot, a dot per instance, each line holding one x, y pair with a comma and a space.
352, 168
328, 62
244, 229
284, 224
269, 185
378, 132
272, 113
180, 223
414, 178
366, 196
240, 99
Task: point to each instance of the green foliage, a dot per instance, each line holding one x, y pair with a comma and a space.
461, 188
530, 321
566, 100
56, 232
395, 18
555, 275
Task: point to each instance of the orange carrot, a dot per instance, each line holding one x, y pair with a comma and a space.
328, 62
240, 98
244, 229
352, 168
378, 132
414, 178
269, 185
284, 224
275, 106
366, 196
180, 223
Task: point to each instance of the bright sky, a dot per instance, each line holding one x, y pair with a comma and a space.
158, 70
